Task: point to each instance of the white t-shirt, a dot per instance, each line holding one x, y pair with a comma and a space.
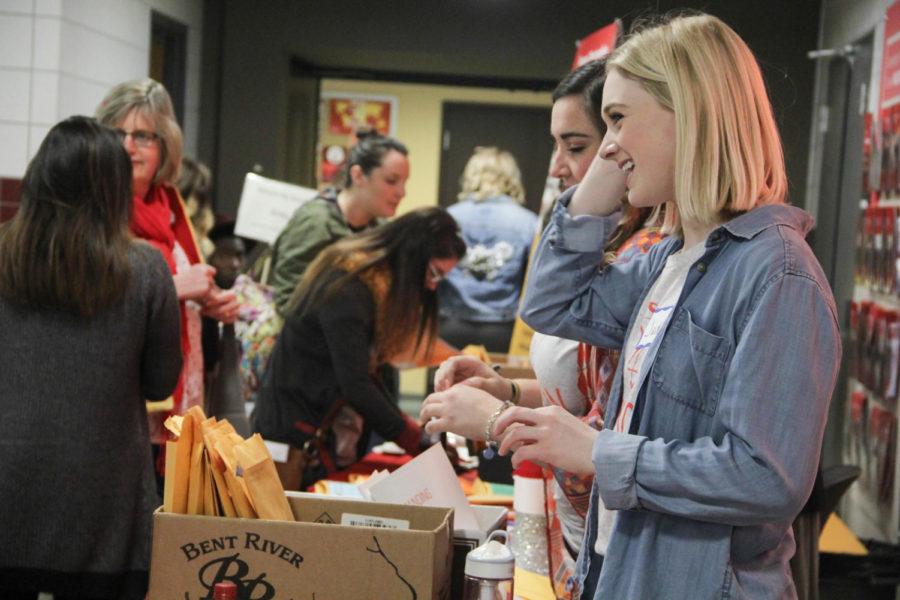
555, 364
651, 321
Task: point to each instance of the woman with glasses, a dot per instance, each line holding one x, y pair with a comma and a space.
366, 301
141, 112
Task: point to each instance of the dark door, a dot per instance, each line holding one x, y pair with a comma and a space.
168, 58
521, 130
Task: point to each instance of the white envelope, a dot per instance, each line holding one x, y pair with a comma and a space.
427, 480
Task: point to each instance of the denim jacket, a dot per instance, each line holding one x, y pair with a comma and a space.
733, 401
487, 283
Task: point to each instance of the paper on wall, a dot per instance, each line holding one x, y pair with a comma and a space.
427, 480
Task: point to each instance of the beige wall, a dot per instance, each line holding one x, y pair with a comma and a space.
419, 124
419, 121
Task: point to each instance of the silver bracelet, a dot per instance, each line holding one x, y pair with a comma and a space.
491, 443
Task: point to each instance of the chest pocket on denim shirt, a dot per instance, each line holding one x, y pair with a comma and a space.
690, 365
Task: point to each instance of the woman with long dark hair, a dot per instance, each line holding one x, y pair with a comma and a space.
88, 331
364, 302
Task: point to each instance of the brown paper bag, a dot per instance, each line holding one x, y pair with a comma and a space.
182, 472
222, 492
238, 491
261, 478
210, 503
216, 468
196, 482
169, 483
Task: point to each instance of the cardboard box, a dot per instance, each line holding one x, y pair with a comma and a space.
490, 518
512, 367
315, 557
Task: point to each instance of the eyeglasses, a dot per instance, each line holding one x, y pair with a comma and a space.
141, 138
436, 275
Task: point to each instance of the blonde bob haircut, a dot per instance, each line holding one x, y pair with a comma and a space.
151, 100
728, 156
491, 172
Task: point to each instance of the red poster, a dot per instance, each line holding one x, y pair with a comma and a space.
890, 60
596, 45
346, 115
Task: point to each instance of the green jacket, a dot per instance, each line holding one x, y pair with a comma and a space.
314, 226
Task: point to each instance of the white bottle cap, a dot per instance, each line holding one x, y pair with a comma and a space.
491, 560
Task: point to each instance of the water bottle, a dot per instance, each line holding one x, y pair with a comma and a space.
489, 570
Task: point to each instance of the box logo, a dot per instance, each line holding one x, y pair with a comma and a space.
232, 568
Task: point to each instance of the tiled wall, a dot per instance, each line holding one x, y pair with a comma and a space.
59, 58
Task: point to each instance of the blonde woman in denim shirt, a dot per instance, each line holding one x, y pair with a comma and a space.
480, 297
728, 329
571, 374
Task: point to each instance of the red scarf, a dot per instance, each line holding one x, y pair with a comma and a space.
152, 221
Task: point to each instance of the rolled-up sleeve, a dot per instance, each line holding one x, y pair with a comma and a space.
568, 295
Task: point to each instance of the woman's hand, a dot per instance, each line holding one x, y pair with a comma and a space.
548, 435
602, 189
194, 282
221, 305
472, 372
462, 409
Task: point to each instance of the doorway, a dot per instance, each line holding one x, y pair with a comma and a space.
168, 58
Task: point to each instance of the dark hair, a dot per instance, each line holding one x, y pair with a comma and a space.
587, 81
404, 246
369, 152
67, 246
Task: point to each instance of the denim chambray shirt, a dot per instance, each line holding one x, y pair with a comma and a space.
734, 396
486, 284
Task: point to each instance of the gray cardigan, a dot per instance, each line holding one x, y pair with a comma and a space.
76, 476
